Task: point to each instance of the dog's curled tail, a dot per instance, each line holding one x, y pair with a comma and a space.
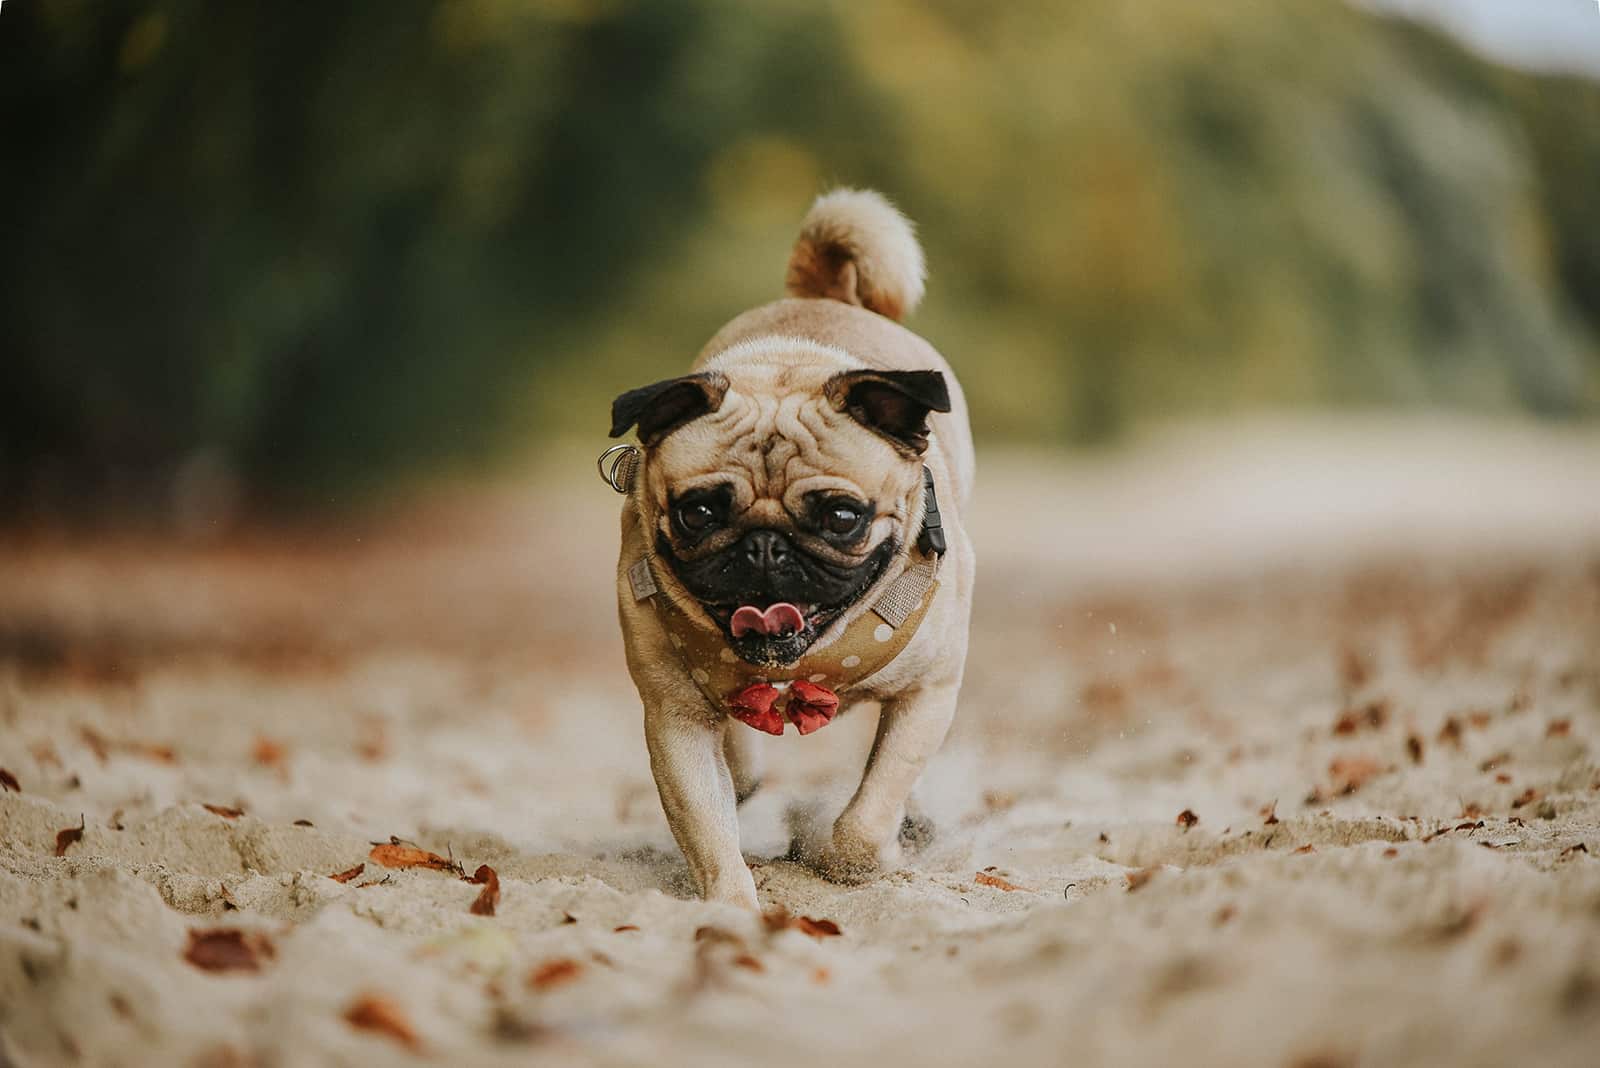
855, 247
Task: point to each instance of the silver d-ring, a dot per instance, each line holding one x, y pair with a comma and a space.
624, 464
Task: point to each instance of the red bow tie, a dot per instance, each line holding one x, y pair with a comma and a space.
810, 706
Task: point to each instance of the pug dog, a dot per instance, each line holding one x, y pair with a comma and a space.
792, 545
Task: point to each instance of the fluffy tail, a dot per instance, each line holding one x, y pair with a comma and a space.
855, 247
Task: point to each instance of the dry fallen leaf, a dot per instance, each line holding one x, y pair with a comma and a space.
1187, 818
1349, 774
96, 742
9, 781
1558, 728
304, 823
397, 854
102, 747
553, 973
1414, 747
1572, 850
1269, 814
69, 837
1138, 878
1391, 852
346, 876
1303, 850
1479, 720
228, 949
1450, 733
745, 960
1527, 797
1224, 914
621, 928
1502, 778
1373, 715
489, 896
777, 919
374, 1012
1354, 668
815, 928
224, 811
267, 752
983, 878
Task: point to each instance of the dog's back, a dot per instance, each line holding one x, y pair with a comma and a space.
855, 271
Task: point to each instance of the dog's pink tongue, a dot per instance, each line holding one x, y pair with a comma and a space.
778, 620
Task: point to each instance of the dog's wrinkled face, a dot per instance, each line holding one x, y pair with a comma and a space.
779, 493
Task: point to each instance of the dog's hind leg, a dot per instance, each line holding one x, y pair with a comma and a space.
741, 747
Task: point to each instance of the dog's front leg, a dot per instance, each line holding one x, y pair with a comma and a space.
865, 837
697, 794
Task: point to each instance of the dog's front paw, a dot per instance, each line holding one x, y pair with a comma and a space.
845, 856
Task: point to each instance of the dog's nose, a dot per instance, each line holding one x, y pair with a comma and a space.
766, 549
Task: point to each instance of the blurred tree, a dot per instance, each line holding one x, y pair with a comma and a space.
312, 246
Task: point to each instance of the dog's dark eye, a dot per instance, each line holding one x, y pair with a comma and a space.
696, 517
840, 519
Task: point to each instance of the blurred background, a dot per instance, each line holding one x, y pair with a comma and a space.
267, 256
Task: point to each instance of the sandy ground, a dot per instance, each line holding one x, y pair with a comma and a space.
1392, 633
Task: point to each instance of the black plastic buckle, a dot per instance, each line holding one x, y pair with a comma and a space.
931, 540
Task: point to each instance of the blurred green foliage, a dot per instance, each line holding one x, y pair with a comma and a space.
318, 245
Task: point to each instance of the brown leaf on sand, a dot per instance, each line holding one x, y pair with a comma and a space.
268, 753
1303, 850
103, 747
397, 854
1558, 728
1355, 671
1187, 818
1349, 774
983, 878
1269, 814
374, 1012
1414, 747
553, 973
1140, 877
96, 742
346, 876
624, 928
489, 896
9, 781
1574, 850
69, 837
1372, 715
1527, 797
816, 928
778, 919
224, 811
745, 960
228, 949
1450, 733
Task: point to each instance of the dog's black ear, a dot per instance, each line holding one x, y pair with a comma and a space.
893, 403
665, 406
